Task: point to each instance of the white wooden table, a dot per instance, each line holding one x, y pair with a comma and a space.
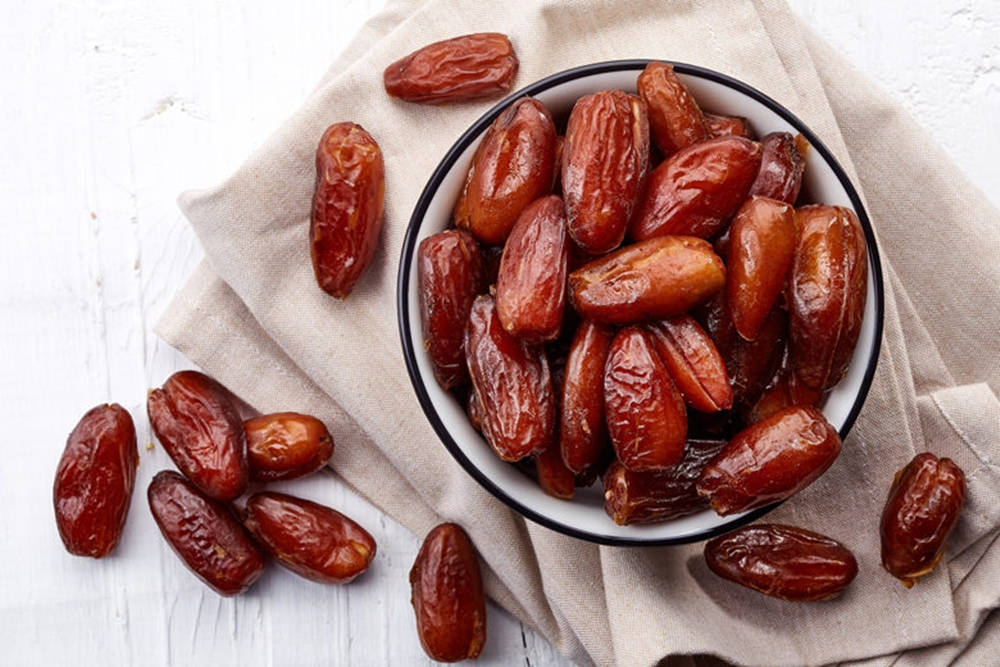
108, 110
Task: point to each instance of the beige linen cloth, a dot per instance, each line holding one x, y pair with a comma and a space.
253, 317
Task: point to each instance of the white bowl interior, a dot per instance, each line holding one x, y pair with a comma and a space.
585, 513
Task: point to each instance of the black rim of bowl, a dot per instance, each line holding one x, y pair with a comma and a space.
413, 229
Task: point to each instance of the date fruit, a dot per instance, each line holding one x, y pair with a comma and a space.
604, 163
657, 278
696, 190
583, 434
462, 68
726, 126
286, 445
450, 270
553, 476
531, 284
204, 534
346, 207
447, 596
513, 385
784, 562
511, 168
781, 167
199, 427
693, 362
94, 481
675, 119
786, 390
827, 293
647, 420
312, 540
922, 508
770, 461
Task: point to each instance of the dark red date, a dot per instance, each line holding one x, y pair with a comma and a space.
583, 434
693, 362
286, 445
781, 167
675, 119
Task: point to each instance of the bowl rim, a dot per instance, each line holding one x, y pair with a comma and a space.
445, 165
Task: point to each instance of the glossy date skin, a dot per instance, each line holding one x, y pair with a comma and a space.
604, 163
204, 534
583, 434
462, 68
694, 363
94, 481
513, 385
782, 165
769, 461
286, 445
553, 476
785, 390
924, 504
726, 126
696, 190
447, 596
309, 539
511, 168
347, 205
653, 279
783, 562
197, 423
646, 417
675, 119
450, 271
531, 284
652, 497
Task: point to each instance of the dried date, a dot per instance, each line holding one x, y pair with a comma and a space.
675, 119
782, 165
727, 126
693, 362
583, 434
286, 445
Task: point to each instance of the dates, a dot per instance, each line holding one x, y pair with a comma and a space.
604, 162
652, 497
675, 120
94, 481
654, 279
553, 476
726, 126
769, 461
347, 207
827, 293
462, 68
582, 432
447, 596
199, 427
693, 362
645, 413
309, 539
923, 506
204, 534
511, 168
513, 386
696, 190
450, 270
286, 445
781, 167
786, 390
784, 562
531, 285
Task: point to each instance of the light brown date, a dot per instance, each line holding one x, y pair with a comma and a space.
785, 390
784, 562
347, 207
286, 445
781, 167
447, 596
583, 434
675, 119
694, 363
923, 506
94, 481
727, 126
462, 68
657, 278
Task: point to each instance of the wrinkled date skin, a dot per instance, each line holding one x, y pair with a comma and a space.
658, 278
781, 167
512, 167
583, 434
675, 119
346, 207
827, 293
693, 362
450, 271
286, 445
726, 126
652, 497
696, 190
531, 284
469, 67
447, 596
204, 534
94, 481
922, 508
769, 461
309, 539
605, 158
513, 386
647, 420
786, 390
553, 476
199, 427
784, 562
762, 242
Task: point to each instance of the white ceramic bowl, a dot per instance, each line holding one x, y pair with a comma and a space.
584, 517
